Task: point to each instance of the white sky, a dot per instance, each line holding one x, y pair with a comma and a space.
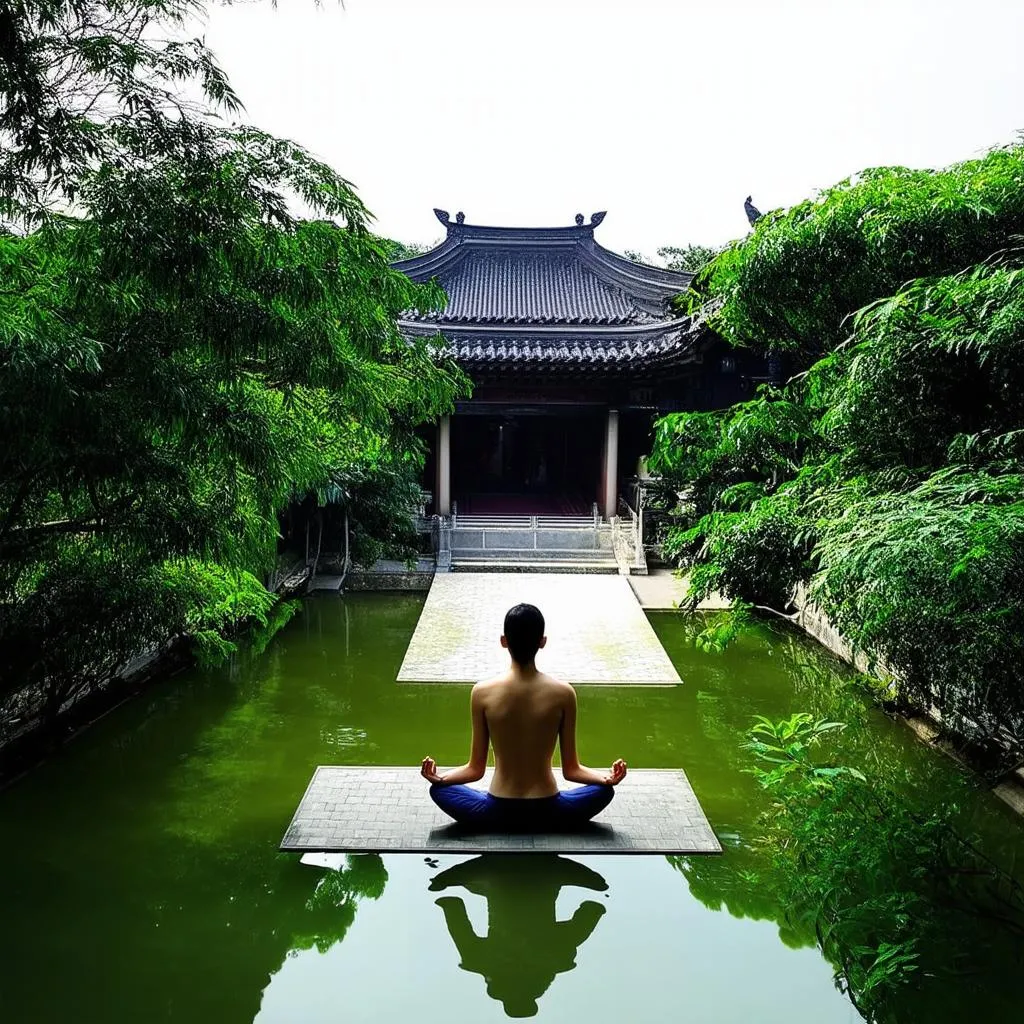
666, 114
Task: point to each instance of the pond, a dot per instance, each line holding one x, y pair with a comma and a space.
143, 881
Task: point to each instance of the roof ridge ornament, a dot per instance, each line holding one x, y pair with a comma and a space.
596, 218
454, 228
579, 220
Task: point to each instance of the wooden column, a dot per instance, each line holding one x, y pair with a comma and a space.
443, 497
610, 469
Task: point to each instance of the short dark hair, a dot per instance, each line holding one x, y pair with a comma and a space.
524, 628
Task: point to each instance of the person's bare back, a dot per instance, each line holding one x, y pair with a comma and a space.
523, 714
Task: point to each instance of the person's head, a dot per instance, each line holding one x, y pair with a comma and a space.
524, 633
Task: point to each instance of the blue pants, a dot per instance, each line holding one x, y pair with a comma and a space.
566, 810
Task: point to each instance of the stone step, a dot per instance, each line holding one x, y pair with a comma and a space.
324, 582
609, 567
536, 554
528, 540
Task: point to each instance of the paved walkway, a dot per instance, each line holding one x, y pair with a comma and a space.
389, 810
662, 589
597, 631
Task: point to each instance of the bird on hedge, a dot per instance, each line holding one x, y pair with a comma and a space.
753, 213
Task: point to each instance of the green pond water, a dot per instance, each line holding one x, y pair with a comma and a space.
142, 880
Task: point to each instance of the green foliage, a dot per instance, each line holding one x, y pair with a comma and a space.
755, 556
723, 628
787, 745
740, 454
376, 492
405, 250
792, 282
81, 77
881, 886
181, 358
931, 375
888, 477
332, 907
691, 257
262, 632
741, 526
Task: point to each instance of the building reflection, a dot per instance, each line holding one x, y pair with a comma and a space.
525, 945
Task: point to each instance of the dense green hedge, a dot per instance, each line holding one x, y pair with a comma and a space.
887, 474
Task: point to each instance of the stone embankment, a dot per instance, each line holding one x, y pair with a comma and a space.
25, 737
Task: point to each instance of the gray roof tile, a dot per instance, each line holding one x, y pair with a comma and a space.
533, 288
589, 306
652, 349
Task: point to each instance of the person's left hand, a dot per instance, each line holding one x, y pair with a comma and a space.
428, 769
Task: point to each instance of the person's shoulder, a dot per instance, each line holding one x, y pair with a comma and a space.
560, 686
488, 683
485, 686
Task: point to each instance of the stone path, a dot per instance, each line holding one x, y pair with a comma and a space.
662, 589
597, 632
389, 810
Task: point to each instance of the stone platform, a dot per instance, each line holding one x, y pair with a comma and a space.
664, 590
597, 632
389, 810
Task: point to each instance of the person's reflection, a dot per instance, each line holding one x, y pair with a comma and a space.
525, 945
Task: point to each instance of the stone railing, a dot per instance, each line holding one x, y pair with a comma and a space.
627, 531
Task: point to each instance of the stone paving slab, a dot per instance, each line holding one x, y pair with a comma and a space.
662, 590
597, 632
388, 810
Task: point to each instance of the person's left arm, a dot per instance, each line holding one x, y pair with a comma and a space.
475, 767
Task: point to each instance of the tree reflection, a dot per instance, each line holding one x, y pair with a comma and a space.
887, 877
331, 909
525, 946
744, 883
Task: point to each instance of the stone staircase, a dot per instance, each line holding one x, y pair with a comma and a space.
582, 544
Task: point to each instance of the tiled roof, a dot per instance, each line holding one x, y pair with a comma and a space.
588, 307
533, 287
567, 350
610, 350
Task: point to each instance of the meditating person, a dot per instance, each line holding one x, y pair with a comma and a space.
523, 713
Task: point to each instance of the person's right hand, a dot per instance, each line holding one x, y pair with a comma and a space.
617, 774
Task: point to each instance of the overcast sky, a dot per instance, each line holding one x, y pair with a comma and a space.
665, 114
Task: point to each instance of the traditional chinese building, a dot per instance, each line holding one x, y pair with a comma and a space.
573, 350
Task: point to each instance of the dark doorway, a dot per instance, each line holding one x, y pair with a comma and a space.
522, 464
636, 438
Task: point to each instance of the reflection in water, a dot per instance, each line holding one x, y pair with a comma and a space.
332, 907
153, 888
525, 945
745, 884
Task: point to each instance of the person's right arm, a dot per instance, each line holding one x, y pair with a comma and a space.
474, 768
572, 770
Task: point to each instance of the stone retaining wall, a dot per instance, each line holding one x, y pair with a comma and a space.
407, 581
813, 621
